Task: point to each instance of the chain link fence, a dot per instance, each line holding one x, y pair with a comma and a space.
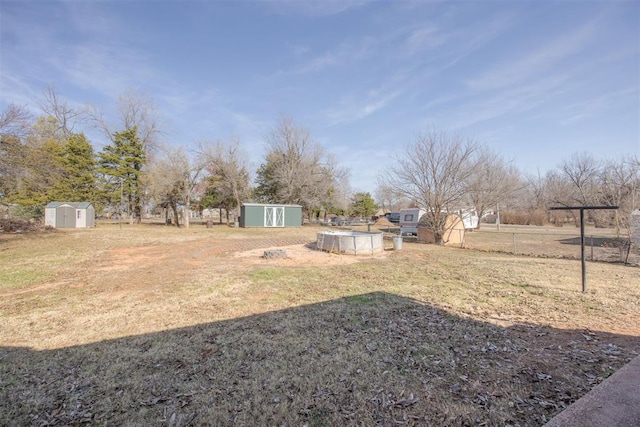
561, 242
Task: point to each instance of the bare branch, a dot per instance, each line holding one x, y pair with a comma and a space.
66, 116
227, 166
134, 110
15, 120
297, 170
434, 173
137, 110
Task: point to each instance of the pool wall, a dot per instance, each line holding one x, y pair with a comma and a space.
350, 242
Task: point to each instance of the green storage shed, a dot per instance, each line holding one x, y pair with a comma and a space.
268, 215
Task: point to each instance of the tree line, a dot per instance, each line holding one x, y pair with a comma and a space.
47, 158
442, 172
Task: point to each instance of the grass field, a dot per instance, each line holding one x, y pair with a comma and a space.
153, 325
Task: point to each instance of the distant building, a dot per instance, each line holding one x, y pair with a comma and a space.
70, 215
454, 230
263, 215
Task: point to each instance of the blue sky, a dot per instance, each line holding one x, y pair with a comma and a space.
534, 81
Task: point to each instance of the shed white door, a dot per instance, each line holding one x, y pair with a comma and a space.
81, 218
274, 216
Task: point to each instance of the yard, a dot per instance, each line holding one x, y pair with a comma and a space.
153, 325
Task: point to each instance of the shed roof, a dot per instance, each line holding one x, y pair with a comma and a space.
77, 205
271, 204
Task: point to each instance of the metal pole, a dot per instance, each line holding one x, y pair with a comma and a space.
582, 252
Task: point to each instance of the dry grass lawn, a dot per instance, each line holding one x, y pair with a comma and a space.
153, 325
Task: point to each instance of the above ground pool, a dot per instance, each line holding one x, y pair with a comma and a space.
350, 242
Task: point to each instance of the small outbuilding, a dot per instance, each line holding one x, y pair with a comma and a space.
70, 215
269, 215
453, 232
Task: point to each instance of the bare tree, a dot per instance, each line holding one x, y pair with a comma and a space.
619, 185
333, 192
582, 171
434, 172
493, 181
533, 198
559, 191
66, 116
171, 179
574, 183
15, 121
15, 126
387, 198
135, 110
227, 165
297, 170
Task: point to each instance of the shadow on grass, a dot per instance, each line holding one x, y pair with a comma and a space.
606, 242
371, 359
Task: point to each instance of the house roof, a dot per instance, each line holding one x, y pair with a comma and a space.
77, 205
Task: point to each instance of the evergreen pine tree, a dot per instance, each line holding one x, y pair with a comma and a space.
121, 167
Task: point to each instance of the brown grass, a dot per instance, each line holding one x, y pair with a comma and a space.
155, 325
601, 244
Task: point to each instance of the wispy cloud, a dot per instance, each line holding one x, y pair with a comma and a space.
407, 45
426, 38
597, 106
533, 64
343, 54
472, 109
448, 45
352, 109
313, 8
299, 50
109, 68
180, 99
92, 60
13, 89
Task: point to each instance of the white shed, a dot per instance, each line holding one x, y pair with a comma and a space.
70, 215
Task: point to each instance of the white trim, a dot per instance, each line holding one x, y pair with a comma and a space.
274, 216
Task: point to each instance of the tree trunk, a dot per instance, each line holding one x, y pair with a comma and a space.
130, 210
238, 206
138, 213
176, 217
187, 211
437, 237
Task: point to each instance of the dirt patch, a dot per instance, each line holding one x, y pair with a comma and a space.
383, 222
39, 288
303, 255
